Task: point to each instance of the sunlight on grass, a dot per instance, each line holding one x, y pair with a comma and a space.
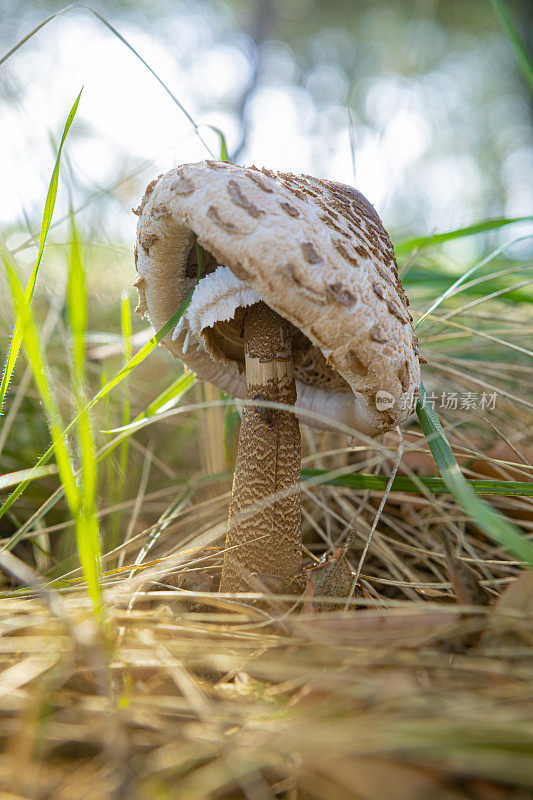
45, 227
133, 362
405, 246
119, 482
87, 529
455, 288
81, 500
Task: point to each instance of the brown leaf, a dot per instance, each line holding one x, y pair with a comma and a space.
331, 578
511, 621
381, 627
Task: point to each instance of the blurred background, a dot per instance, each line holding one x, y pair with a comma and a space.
418, 103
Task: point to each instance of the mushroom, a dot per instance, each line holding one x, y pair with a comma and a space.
299, 303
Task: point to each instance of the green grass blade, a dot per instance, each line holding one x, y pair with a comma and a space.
169, 397
403, 484
125, 324
452, 290
150, 345
77, 310
517, 43
87, 531
232, 422
223, 149
130, 365
81, 501
434, 282
352, 481
162, 403
36, 360
490, 521
15, 478
125, 318
405, 246
137, 359
45, 227
118, 482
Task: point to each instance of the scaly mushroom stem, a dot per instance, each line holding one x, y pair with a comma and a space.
268, 462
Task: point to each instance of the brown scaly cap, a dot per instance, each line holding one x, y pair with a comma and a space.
316, 252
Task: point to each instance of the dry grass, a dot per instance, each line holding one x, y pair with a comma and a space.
421, 690
409, 700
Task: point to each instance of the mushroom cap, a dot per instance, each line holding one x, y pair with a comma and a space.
316, 252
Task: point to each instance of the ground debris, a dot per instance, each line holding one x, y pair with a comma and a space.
200, 705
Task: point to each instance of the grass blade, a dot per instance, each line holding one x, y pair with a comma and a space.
15, 478
407, 485
405, 246
36, 360
79, 501
163, 402
125, 319
133, 362
223, 149
169, 396
434, 282
490, 521
45, 227
87, 531
119, 479
517, 43
145, 351
451, 290
125, 42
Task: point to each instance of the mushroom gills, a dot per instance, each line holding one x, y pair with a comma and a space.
215, 315
264, 539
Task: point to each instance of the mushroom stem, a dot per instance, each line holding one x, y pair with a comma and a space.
264, 539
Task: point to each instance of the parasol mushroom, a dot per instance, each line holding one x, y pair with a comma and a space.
299, 302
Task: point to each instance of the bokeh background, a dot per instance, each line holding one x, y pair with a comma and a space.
419, 103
